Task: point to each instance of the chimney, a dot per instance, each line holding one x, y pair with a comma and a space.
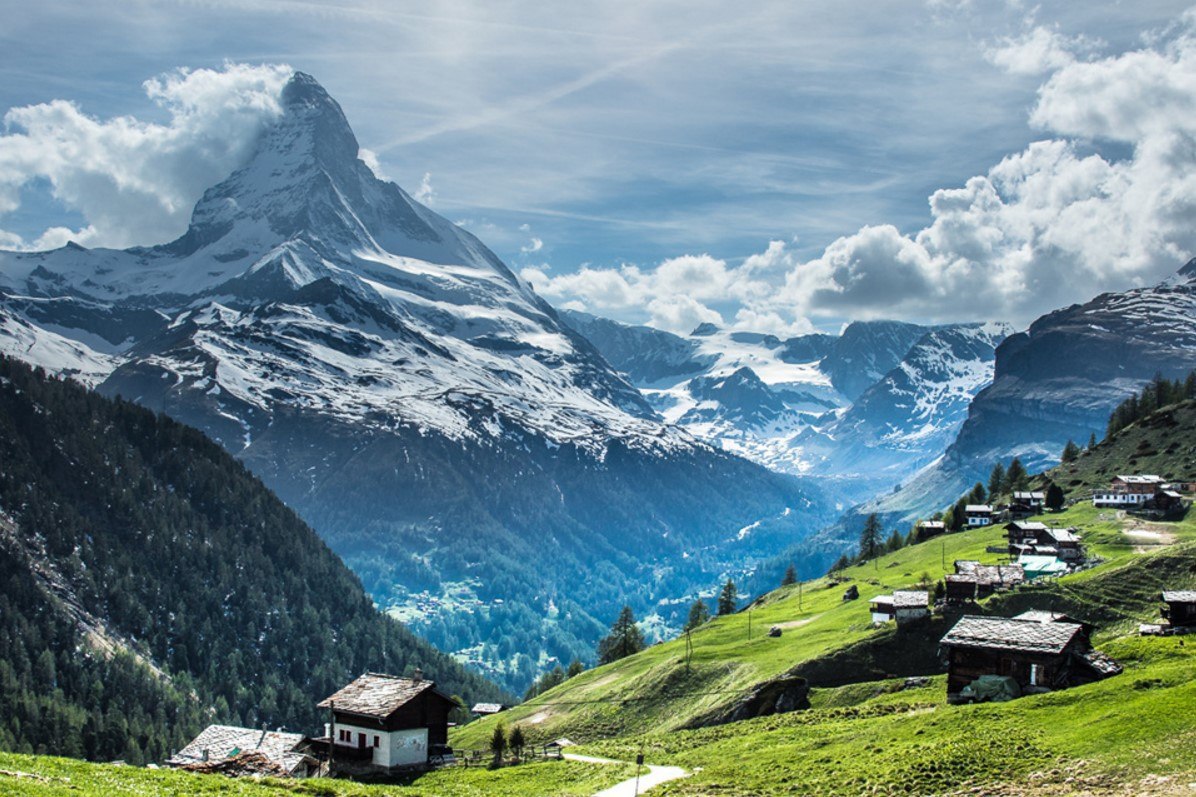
418, 675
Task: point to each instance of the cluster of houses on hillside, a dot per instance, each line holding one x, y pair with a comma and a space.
1143, 492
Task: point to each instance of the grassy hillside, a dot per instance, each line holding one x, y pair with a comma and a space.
831, 641
1132, 734
43, 776
1163, 444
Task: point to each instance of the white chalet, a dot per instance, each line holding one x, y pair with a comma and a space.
388, 722
978, 515
1128, 491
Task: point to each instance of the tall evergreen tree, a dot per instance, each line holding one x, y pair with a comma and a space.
728, 598
870, 537
1070, 452
996, 480
699, 614
1092, 437
1016, 477
624, 639
977, 495
1054, 496
790, 577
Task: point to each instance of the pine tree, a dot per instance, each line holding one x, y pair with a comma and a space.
996, 480
498, 745
790, 577
1016, 477
575, 668
841, 564
1054, 497
1092, 437
728, 598
894, 542
624, 639
977, 495
699, 614
516, 741
870, 537
1070, 452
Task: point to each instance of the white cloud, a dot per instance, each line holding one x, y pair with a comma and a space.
425, 193
1037, 51
1057, 222
534, 245
370, 158
136, 181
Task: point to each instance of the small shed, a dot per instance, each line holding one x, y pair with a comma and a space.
902, 606
234, 750
1180, 611
1037, 655
974, 581
1065, 542
927, 529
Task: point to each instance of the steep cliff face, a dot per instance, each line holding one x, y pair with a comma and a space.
1059, 381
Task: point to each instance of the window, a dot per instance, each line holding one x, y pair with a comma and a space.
377, 742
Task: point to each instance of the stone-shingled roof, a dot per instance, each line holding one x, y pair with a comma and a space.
1179, 596
1062, 535
990, 574
1000, 633
378, 695
227, 741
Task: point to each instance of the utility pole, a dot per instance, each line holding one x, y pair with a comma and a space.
639, 764
749, 624
799, 596
331, 733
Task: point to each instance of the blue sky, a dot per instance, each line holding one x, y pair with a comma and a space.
640, 159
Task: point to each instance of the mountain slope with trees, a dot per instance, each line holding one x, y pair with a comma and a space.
151, 584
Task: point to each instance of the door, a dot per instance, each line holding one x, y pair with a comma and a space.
361, 741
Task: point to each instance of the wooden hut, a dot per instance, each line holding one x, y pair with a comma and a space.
1037, 655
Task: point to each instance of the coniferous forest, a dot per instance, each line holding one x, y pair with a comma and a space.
149, 585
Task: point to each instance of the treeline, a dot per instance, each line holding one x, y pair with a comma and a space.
176, 548
1157, 394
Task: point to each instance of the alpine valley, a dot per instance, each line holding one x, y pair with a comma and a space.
479, 465
503, 478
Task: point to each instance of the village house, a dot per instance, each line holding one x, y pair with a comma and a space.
929, 528
387, 722
973, 581
486, 709
978, 515
1035, 655
1023, 535
1128, 491
1065, 543
903, 606
1180, 611
1025, 503
248, 751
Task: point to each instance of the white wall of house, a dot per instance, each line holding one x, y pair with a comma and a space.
977, 520
391, 748
1120, 499
404, 748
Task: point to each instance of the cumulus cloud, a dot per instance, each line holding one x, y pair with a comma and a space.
135, 182
1056, 223
1037, 51
682, 292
